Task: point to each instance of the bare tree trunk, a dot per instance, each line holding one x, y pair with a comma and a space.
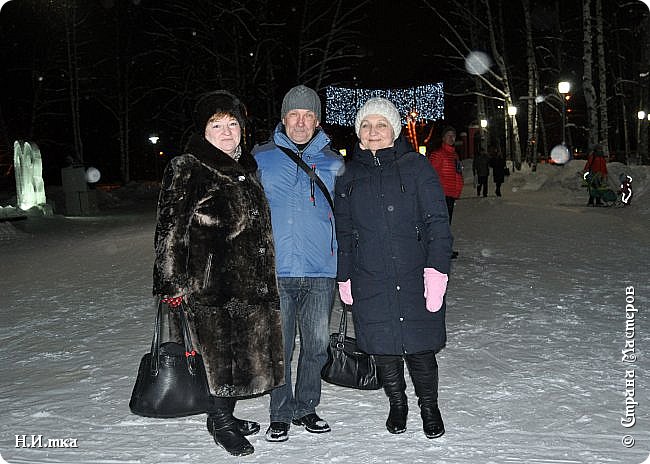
587, 79
514, 144
643, 156
533, 86
70, 9
603, 134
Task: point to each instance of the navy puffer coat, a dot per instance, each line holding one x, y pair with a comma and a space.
391, 223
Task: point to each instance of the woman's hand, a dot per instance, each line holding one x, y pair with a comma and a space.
345, 292
435, 286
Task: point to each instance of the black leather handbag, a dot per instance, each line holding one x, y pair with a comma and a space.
346, 365
171, 378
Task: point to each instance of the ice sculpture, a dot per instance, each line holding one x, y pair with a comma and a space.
28, 166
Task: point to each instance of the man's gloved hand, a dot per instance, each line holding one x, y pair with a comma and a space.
435, 286
173, 301
345, 291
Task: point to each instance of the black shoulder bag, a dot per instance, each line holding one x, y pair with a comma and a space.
310, 172
171, 379
346, 365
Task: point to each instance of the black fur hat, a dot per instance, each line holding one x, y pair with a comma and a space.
219, 101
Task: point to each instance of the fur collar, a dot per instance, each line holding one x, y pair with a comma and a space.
213, 157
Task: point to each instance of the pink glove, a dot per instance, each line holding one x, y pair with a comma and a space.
345, 291
435, 286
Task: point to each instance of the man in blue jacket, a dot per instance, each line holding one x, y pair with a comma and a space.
306, 249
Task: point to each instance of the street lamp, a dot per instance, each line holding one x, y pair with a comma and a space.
484, 123
153, 139
563, 87
512, 112
641, 138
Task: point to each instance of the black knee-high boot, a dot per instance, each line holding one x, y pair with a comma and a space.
246, 427
225, 429
392, 375
424, 372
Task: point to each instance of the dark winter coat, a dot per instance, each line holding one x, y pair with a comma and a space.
498, 165
214, 242
391, 223
481, 165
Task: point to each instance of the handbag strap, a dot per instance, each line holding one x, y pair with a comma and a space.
310, 172
190, 353
343, 328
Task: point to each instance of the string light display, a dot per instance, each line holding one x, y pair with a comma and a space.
424, 102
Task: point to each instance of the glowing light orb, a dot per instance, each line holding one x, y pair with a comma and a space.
3, 3
560, 154
477, 62
92, 175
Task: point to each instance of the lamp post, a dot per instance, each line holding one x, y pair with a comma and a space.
640, 139
563, 87
512, 112
153, 139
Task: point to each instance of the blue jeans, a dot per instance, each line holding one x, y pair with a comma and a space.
306, 301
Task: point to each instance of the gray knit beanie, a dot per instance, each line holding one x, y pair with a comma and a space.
384, 108
301, 98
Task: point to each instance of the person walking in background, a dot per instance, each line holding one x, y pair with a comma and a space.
303, 228
447, 164
596, 173
214, 248
481, 169
394, 258
498, 165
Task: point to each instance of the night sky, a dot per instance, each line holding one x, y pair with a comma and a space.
139, 63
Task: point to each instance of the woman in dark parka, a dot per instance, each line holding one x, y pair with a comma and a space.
214, 247
394, 257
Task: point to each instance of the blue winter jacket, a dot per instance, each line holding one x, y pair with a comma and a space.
303, 227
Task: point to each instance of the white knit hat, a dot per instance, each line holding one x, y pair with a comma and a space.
382, 107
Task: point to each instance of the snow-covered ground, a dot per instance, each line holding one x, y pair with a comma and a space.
533, 371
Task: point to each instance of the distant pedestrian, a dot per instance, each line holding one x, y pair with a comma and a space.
498, 165
596, 174
447, 164
481, 169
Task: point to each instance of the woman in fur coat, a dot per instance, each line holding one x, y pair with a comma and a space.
214, 249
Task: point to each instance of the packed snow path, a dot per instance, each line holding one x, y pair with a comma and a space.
532, 372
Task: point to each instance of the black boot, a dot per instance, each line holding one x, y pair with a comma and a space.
225, 431
246, 427
424, 372
392, 374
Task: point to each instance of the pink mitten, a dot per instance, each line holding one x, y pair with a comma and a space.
345, 291
435, 286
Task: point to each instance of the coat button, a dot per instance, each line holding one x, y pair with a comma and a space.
262, 250
241, 178
401, 319
398, 287
390, 208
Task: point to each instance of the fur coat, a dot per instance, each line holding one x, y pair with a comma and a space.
214, 243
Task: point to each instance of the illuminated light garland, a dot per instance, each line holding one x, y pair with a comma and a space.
342, 103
